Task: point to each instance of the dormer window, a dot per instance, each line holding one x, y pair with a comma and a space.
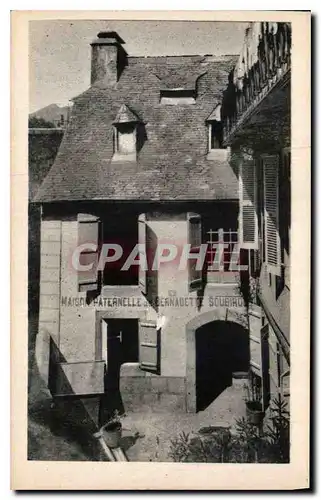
177, 96
215, 135
125, 134
125, 139
215, 130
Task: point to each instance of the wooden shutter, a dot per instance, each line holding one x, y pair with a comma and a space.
248, 222
195, 240
142, 241
271, 214
255, 339
149, 346
274, 365
88, 232
265, 356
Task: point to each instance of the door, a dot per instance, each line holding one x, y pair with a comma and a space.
114, 355
213, 363
120, 346
222, 349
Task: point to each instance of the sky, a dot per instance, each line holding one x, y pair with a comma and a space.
59, 51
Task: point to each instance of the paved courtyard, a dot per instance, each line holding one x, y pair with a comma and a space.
147, 435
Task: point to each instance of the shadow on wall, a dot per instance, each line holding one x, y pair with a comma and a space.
221, 349
152, 275
141, 136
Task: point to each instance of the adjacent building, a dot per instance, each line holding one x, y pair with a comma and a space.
256, 113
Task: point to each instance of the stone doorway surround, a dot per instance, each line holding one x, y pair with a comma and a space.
237, 316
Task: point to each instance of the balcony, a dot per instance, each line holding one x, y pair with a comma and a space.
264, 64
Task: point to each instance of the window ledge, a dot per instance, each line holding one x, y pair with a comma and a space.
113, 289
212, 284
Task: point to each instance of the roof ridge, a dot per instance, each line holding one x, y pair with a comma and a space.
182, 55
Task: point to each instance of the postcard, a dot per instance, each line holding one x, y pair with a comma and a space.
161, 250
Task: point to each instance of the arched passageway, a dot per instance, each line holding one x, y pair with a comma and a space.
221, 348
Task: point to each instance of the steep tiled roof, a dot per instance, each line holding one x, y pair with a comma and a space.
172, 163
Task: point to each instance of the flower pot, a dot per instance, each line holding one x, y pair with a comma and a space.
112, 434
254, 412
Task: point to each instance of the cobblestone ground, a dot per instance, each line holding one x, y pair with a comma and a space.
147, 435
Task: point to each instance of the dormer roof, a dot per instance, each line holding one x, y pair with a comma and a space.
125, 115
215, 114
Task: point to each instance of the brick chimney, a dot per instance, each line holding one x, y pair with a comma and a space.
107, 58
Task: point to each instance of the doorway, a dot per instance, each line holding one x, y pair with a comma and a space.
222, 348
119, 345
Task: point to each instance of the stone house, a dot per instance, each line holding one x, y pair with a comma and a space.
256, 113
150, 158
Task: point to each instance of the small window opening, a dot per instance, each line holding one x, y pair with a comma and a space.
215, 135
178, 96
125, 139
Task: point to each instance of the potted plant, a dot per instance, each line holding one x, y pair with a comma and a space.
254, 411
112, 431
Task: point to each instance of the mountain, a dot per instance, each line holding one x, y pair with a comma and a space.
52, 113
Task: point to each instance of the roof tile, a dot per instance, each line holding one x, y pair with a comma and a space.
172, 161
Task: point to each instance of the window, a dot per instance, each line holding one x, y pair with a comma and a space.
177, 96
122, 228
221, 245
215, 129
220, 272
125, 134
215, 135
125, 139
284, 220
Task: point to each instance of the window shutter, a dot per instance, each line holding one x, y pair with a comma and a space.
195, 240
142, 241
265, 350
271, 214
255, 340
149, 346
274, 360
88, 232
248, 222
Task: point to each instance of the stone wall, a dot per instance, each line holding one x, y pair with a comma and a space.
78, 330
49, 308
140, 389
